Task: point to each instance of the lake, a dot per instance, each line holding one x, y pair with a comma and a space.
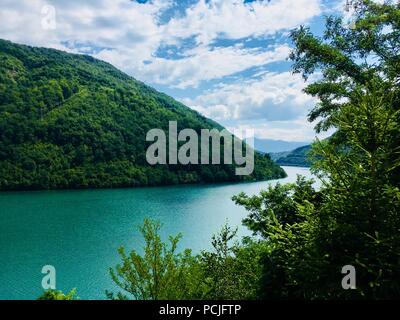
79, 231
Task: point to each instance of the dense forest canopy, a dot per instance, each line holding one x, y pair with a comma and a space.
71, 121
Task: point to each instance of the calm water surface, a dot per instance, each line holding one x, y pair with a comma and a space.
79, 231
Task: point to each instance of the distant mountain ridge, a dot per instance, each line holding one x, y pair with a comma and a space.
72, 121
273, 146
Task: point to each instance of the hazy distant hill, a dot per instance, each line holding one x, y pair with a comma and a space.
269, 145
72, 121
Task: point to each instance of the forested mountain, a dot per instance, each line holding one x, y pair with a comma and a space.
297, 157
71, 121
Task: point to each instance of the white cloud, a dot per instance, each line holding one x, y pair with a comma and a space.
127, 29
128, 34
204, 63
273, 97
235, 19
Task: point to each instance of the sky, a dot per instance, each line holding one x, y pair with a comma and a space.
227, 59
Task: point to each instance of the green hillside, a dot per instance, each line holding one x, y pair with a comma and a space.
297, 157
71, 121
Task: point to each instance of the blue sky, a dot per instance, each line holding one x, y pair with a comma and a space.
226, 59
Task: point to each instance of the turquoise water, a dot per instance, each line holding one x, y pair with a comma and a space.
79, 231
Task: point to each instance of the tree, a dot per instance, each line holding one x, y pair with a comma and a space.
285, 217
232, 270
349, 54
161, 273
282, 200
58, 295
359, 97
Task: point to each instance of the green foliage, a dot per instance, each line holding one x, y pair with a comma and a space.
361, 213
219, 265
284, 216
71, 121
279, 201
58, 295
161, 273
359, 96
349, 55
230, 271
